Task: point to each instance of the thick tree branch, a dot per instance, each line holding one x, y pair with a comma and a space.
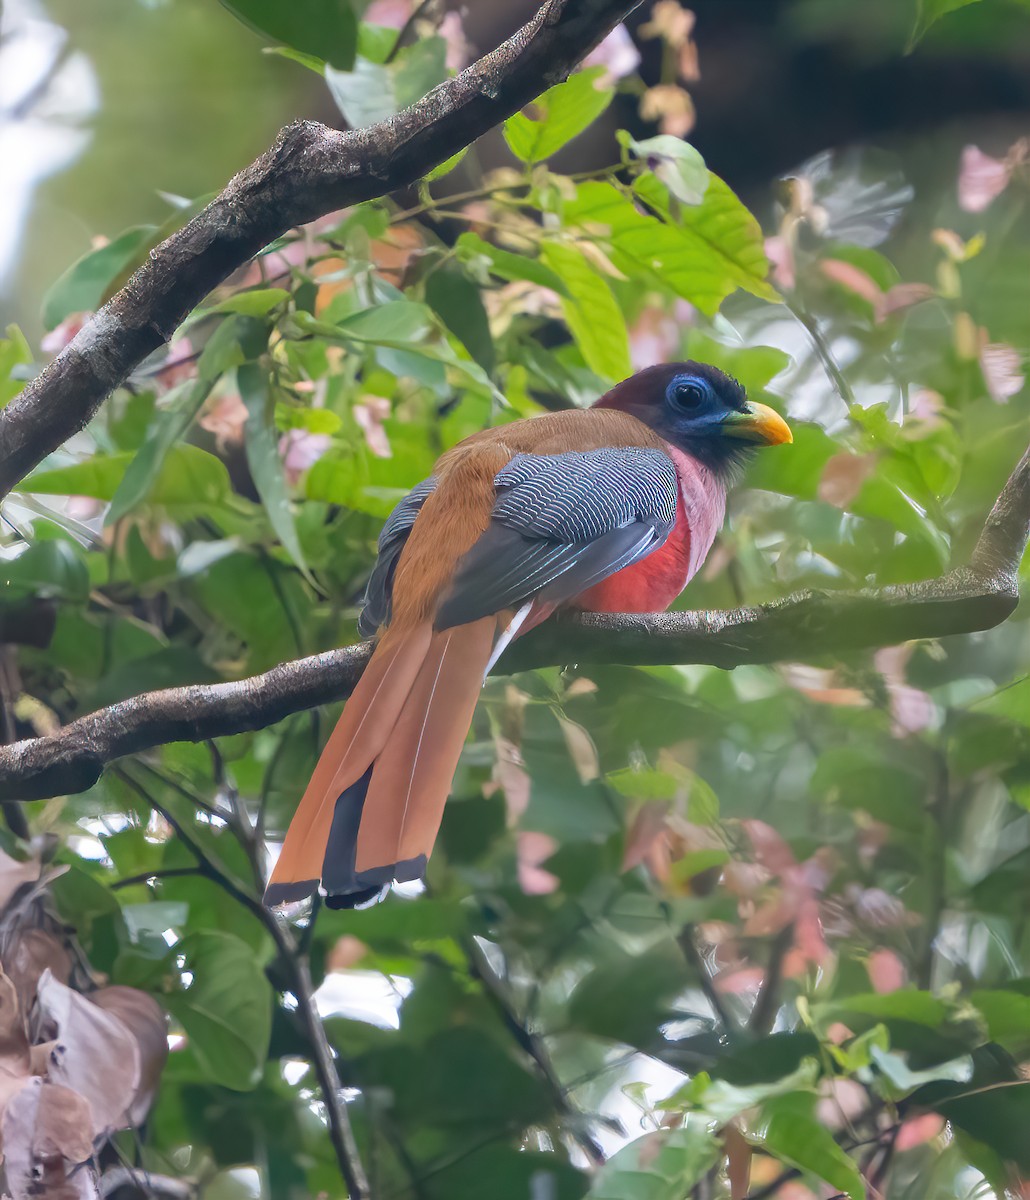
311, 170
807, 626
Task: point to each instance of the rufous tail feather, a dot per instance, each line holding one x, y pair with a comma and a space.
374, 805
360, 734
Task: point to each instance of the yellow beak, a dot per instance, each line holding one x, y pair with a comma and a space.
758, 423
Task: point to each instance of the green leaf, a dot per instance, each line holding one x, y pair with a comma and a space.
591, 312
226, 1010
396, 322
266, 467
326, 28
1008, 1017
723, 1101
792, 1134
81, 288
238, 339
1011, 703
644, 784
712, 249
47, 569
929, 12
506, 265
165, 431
188, 477
627, 997
675, 162
456, 301
14, 353
372, 91
721, 227
901, 1080
665, 1165
921, 1008
447, 166
255, 303
559, 115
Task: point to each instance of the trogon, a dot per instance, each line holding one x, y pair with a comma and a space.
607, 509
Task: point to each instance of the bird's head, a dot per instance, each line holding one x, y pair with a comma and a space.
700, 410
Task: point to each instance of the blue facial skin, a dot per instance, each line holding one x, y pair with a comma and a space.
698, 408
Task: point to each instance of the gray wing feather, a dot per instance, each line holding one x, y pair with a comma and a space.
377, 602
562, 523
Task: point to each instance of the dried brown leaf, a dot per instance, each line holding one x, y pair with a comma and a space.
96, 1055
30, 953
14, 874
47, 1131
146, 1021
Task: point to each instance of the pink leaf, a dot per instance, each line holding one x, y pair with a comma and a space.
853, 278
370, 415
820, 685
981, 179
459, 52
347, 951
56, 340
654, 337
511, 776
771, 851
916, 1131
925, 412
179, 366
886, 971
617, 54
300, 450
844, 476
225, 419
902, 296
841, 1102
646, 839
1002, 368
740, 982
392, 14
533, 849
779, 252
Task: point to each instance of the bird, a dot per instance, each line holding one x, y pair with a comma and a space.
611, 508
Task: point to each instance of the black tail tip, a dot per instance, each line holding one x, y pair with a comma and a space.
289, 893
356, 889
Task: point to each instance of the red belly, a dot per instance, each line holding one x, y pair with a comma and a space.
649, 585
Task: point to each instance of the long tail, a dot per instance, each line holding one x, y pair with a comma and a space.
373, 807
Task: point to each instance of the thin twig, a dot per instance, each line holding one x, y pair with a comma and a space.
157, 873
764, 1012
340, 1132
533, 1045
822, 348
937, 813
688, 946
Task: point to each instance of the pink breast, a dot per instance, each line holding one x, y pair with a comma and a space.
654, 582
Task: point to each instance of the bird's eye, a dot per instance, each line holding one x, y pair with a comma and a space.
689, 395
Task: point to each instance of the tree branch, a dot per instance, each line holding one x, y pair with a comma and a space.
311, 170
805, 627
341, 1135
